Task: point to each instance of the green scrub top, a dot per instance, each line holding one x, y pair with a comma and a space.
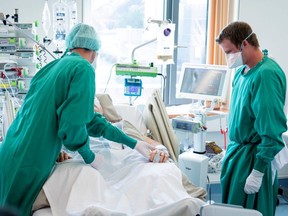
256, 124
58, 109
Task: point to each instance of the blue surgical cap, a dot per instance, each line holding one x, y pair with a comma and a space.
83, 36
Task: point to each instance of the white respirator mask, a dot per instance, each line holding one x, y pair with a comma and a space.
235, 60
94, 63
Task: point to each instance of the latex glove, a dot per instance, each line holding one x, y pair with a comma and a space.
98, 161
253, 182
144, 148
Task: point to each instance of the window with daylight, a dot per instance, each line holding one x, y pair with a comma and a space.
123, 25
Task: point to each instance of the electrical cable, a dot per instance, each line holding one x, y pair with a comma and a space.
224, 132
44, 56
135, 99
39, 58
109, 78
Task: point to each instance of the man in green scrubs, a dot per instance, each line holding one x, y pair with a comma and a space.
256, 121
58, 110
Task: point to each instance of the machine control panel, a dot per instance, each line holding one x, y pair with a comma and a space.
136, 70
186, 124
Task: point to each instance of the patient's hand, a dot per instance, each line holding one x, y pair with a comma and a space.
63, 156
158, 156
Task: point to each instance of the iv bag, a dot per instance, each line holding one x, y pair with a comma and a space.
46, 19
73, 13
60, 23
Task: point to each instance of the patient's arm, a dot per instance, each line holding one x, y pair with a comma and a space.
151, 141
162, 159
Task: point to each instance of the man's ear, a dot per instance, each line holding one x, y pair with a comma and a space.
245, 43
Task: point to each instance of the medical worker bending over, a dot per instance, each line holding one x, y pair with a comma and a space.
256, 121
58, 109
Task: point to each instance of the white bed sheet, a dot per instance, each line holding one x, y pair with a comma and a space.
43, 212
124, 185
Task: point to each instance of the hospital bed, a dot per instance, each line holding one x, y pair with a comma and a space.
125, 184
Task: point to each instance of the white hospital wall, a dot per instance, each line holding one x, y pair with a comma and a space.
269, 21
30, 11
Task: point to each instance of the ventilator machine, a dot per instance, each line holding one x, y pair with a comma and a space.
199, 83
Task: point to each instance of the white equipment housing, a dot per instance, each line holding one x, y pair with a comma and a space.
217, 209
195, 167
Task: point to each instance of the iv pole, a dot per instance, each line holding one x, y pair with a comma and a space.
158, 74
139, 46
159, 23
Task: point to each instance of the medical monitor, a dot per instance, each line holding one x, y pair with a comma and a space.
203, 82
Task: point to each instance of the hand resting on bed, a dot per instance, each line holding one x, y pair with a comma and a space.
159, 154
144, 148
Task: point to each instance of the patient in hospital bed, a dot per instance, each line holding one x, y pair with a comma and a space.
125, 184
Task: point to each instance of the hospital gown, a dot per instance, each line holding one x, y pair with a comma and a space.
256, 123
58, 109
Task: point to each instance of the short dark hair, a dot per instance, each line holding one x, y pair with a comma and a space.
236, 32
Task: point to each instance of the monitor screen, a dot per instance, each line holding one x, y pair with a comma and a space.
203, 82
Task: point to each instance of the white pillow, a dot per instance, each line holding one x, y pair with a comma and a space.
133, 115
109, 111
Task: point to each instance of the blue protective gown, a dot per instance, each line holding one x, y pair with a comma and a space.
256, 124
58, 109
